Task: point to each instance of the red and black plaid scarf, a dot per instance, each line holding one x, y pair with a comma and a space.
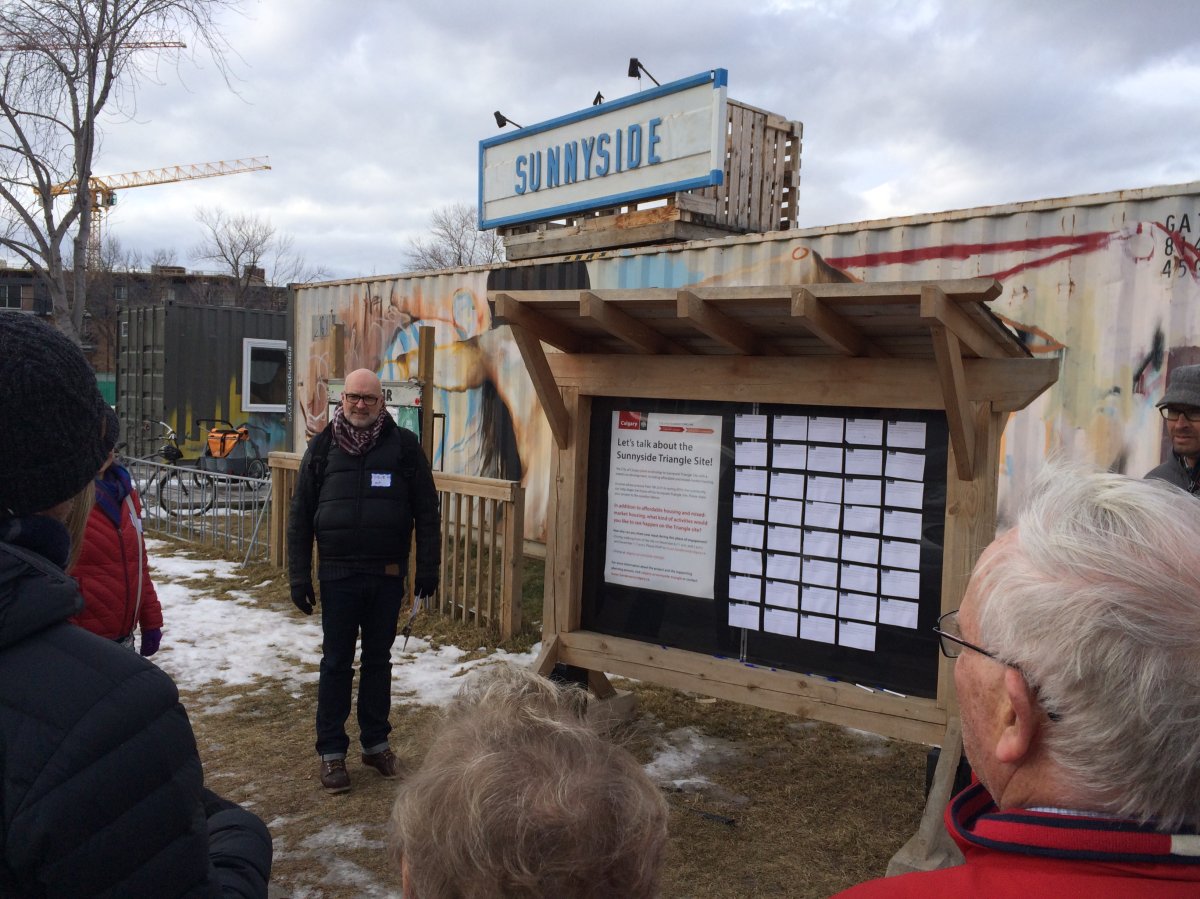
355, 441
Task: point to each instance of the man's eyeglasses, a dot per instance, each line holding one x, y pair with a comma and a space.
952, 644
353, 399
1191, 413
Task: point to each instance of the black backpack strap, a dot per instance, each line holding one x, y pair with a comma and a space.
320, 457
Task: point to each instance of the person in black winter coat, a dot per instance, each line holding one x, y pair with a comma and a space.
362, 488
101, 787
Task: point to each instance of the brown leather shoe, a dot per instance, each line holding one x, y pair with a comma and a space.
385, 763
334, 776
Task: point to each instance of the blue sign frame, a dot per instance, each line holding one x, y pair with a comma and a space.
718, 79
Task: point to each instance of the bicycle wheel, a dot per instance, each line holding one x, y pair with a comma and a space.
186, 492
257, 469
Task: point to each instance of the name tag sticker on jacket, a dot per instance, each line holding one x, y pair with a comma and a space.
381, 479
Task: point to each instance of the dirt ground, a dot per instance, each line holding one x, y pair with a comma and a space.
775, 806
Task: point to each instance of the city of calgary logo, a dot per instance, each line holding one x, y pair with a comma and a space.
631, 421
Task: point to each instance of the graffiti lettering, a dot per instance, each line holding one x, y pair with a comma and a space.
1180, 255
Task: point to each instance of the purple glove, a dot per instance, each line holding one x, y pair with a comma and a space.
150, 640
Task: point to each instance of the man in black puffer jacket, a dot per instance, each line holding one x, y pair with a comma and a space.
101, 788
362, 486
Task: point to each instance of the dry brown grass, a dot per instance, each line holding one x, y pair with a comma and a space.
814, 808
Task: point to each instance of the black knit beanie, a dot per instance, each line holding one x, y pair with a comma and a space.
52, 416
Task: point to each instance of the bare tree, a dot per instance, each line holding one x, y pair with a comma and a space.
104, 302
62, 64
455, 240
163, 256
251, 250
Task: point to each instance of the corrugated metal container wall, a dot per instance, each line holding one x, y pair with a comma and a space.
191, 364
1109, 283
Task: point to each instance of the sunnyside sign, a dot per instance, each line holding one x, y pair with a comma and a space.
649, 144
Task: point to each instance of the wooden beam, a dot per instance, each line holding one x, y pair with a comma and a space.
937, 310
599, 684
513, 312
625, 327
830, 327
1009, 384
716, 324
566, 521
970, 525
960, 415
905, 718
976, 290
548, 657
544, 384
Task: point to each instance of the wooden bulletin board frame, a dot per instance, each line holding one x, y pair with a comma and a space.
924, 345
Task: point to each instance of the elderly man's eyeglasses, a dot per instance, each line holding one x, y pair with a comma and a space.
353, 399
952, 644
1191, 413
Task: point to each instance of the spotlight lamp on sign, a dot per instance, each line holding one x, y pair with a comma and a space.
502, 120
637, 70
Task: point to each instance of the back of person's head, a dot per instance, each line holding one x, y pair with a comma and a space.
54, 420
1096, 597
518, 796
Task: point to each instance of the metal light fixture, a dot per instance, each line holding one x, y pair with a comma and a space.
636, 70
502, 120
599, 98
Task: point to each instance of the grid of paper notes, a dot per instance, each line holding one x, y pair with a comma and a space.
826, 526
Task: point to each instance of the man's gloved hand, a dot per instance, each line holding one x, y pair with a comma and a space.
150, 640
425, 586
304, 597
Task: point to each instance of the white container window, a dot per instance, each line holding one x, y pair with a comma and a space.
264, 375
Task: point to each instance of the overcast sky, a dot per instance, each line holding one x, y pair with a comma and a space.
371, 111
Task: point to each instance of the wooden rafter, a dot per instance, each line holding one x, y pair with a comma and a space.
736, 335
514, 312
976, 290
624, 326
960, 413
937, 310
830, 327
544, 384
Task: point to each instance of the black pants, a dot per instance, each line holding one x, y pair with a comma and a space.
369, 605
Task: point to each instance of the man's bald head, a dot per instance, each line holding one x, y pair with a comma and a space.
362, 398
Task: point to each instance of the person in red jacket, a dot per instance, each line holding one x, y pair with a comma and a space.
1077, 671
112, 571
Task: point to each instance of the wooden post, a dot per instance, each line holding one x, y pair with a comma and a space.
425, 354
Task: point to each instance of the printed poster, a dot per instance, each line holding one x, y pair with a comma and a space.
662, 499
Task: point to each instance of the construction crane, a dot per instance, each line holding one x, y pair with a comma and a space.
14, 43
104, 187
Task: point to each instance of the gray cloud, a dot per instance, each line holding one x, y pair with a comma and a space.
371, 111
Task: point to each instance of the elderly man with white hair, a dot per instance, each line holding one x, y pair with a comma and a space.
1077, 669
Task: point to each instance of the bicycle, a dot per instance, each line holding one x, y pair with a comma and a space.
182, 489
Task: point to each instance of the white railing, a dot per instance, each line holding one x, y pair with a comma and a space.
222, 511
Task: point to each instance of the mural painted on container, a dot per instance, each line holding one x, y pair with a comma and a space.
1119, 305
492, 426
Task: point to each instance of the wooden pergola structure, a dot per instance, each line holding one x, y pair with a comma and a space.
921, 345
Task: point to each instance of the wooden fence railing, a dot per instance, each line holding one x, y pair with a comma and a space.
483, 523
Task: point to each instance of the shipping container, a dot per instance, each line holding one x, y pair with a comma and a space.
1107, 283
180, 363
